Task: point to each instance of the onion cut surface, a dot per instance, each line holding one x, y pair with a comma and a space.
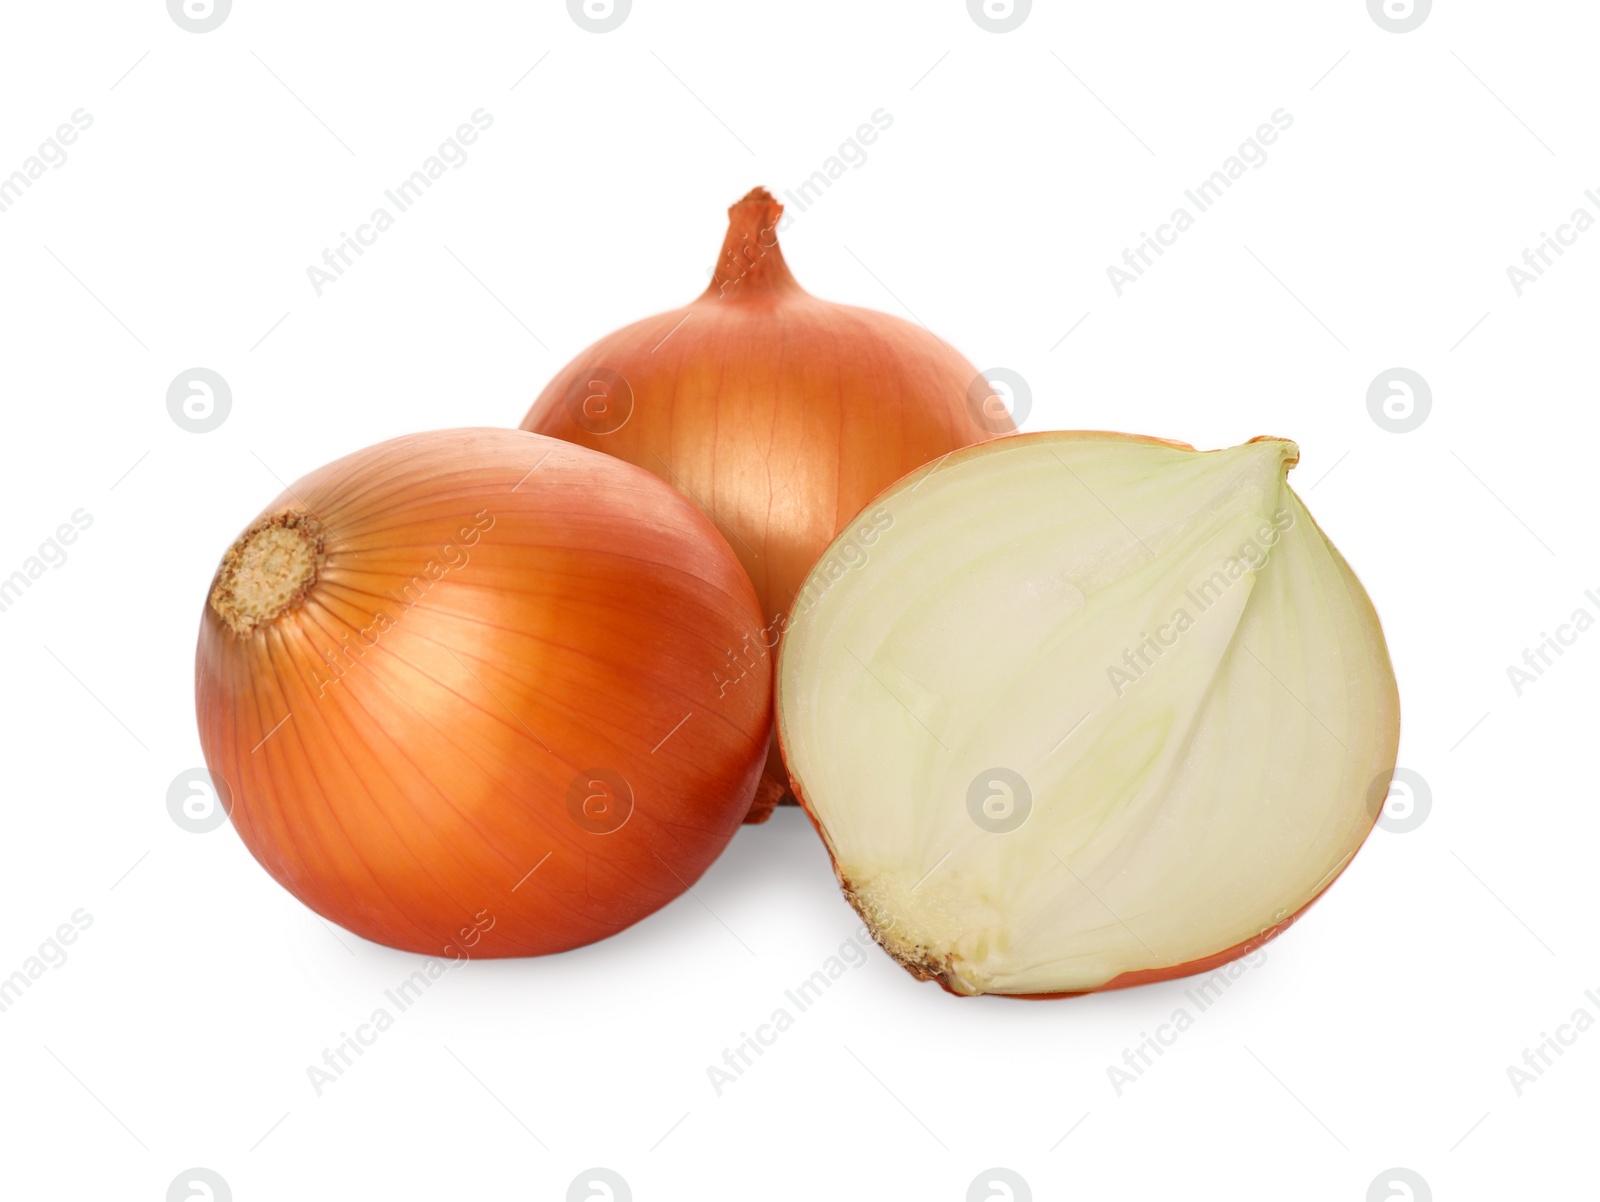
482, 718
1095, 710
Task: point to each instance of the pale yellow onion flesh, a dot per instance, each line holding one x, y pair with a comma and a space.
1178, 810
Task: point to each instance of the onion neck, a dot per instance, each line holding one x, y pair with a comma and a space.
751, 263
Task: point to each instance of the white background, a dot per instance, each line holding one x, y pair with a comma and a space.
1376, 1034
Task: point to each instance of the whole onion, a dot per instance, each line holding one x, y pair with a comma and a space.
462, 690
778, 414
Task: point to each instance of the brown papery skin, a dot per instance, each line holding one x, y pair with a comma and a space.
778, 414
546, 612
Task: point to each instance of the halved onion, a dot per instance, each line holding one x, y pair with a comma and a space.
463, 689
1096, 710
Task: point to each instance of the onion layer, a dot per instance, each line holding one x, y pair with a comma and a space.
1102, 710
778, 414
462, 687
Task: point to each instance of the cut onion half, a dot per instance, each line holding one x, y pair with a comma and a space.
1087, 711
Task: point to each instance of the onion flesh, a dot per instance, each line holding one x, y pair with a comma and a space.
1100, 710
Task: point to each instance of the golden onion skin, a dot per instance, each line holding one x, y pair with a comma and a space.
492, 724
780, 415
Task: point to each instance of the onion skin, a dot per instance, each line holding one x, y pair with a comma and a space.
778, 414
420, 780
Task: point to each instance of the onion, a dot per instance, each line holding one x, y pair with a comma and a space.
1104, 710
461, 687
778, 414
